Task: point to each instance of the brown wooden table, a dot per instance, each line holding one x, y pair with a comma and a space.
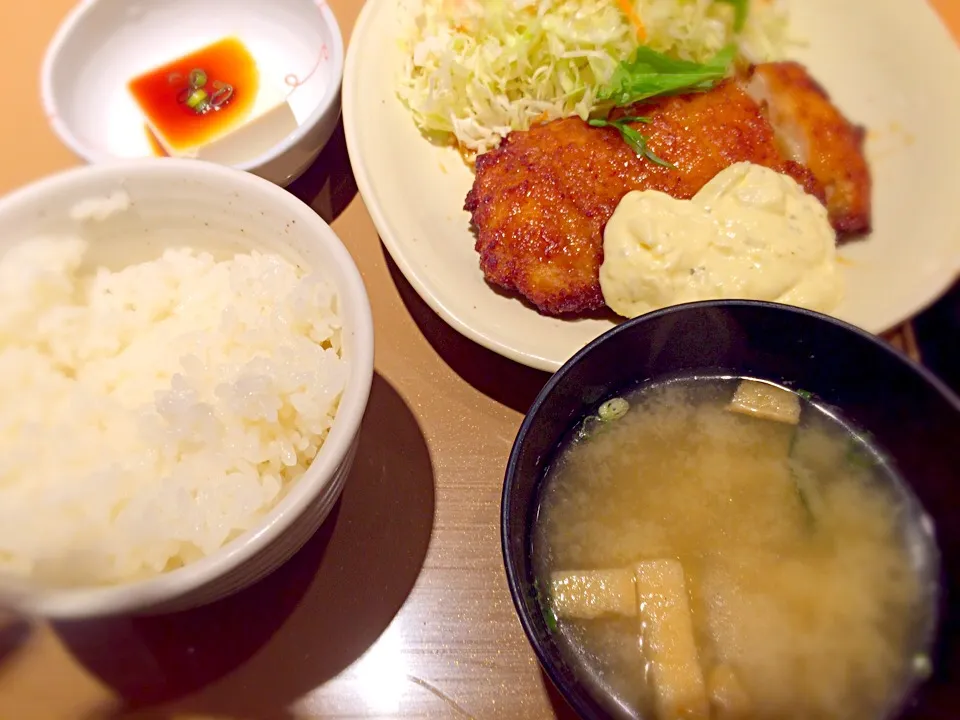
399, 606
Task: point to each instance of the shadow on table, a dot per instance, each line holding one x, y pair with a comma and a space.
503, 380
14, 632
328, 185
253, 654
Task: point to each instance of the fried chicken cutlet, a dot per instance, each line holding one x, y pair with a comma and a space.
541, 200
812, 131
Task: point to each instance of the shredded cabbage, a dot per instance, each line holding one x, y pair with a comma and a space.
476, 69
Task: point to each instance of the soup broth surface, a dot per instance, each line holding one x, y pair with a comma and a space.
792, 539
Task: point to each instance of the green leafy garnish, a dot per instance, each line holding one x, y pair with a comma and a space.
551, 618
633, 138
740, 8
858, 457
546, 609
805, 394
799, 484
649, 74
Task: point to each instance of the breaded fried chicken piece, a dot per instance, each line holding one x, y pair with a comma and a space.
541, 200
812, 131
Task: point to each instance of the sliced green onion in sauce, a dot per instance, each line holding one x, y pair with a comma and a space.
195, 95
197, 98
198, 78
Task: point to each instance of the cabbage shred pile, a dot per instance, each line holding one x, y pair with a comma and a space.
477, 69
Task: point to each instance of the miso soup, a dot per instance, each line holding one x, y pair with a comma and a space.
719, 548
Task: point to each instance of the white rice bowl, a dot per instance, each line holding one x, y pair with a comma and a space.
162, 404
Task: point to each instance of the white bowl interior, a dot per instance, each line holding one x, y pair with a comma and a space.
103, 44
208, 207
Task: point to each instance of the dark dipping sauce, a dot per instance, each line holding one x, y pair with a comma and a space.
160, 94
701, 563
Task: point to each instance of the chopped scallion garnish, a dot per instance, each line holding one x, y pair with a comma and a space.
613, 409
198, 78
196, 98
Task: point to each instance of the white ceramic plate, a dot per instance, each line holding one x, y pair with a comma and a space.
886, 64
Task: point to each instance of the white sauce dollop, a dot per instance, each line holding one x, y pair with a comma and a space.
750, 233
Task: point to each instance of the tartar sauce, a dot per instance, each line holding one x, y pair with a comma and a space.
750, 233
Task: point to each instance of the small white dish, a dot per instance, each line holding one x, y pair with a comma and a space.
172, 202
103, 44
913, 146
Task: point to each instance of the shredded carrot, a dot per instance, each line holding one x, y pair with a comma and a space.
634, 19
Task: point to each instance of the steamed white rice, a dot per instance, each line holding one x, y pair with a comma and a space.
151, 415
